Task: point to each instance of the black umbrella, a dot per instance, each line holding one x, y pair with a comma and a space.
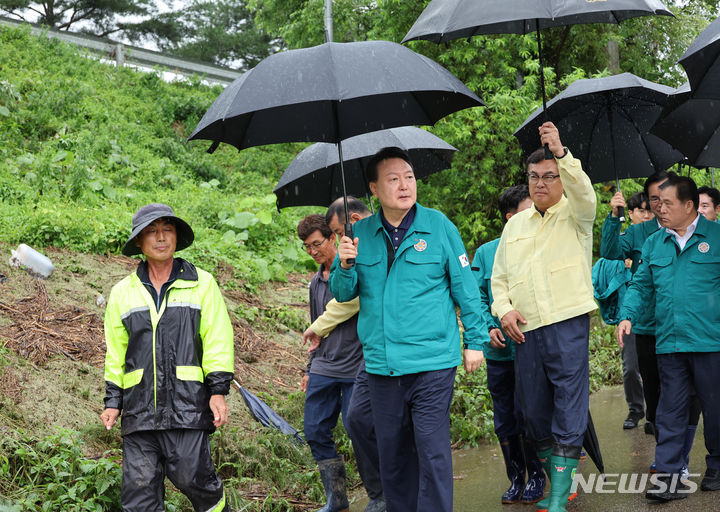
332, 92
263, 413
446, 20
702, 63
313, 177
606, 123
592, 446
691, 125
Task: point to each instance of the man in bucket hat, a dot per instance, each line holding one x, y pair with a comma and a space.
168, 367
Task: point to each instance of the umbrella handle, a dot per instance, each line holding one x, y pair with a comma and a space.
548, 153
349, 233
621, 213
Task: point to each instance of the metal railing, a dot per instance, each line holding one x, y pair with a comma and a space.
134, 55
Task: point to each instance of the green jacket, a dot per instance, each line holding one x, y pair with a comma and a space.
407, 321
686, 285
628, 244
161, 367
482, 266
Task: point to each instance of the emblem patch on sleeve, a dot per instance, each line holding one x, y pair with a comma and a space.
464, 260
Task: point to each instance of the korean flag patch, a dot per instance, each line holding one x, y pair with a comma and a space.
464, 260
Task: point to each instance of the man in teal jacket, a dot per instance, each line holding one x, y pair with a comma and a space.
499, 356
410, 271
680, 265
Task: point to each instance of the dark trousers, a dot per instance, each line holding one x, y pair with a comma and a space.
552, 377
506, 409
647, 360
361, 428
679, 372
412, 424
632, 380
181, 455
325, 398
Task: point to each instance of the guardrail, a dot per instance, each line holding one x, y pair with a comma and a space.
134, 55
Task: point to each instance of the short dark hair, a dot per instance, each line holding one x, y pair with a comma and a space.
685, 188
511, 198
536, 156
636, 201
711, 192
312, 223
337, 207
654, 178
384, 154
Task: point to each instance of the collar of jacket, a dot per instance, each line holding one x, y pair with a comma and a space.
554, 208
700, 230
187, 275
419, 224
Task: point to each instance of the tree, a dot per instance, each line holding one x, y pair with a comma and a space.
222, 32
98, 17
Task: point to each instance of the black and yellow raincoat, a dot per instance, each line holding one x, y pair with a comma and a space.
163, 362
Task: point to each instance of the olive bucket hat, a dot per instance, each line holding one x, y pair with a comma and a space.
146, 215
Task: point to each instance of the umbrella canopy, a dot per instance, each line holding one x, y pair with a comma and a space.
313, 177
692, 126
592, 446
605, 123
332, 92
263, 413
446, 20
702, 63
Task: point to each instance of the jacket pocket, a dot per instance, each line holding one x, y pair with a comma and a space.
567, 284
194, 373
133, 378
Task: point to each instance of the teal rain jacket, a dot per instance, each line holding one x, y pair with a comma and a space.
482, 266
628, 244
610, 279
407, 321
686, 285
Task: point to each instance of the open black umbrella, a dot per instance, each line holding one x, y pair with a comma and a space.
692, 126
332, 92
313, 177
446, 20
263, 413
702, 63
606, 123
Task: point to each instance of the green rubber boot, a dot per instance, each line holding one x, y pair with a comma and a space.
562, 476
544, 456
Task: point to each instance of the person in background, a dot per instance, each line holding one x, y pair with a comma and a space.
679, 266
408, 265
359, 414
168, 367
709, 203
542, 292
331, 371
499, 353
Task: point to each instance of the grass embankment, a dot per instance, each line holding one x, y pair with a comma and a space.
82, 145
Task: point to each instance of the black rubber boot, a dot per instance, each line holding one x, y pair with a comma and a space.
535, 487
515, 467
332, 474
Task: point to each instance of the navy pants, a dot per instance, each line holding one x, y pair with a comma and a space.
632, 381
552, 377
679, 372
360, 426
183, 456
647, 361
325, 398
412, 424
506, 408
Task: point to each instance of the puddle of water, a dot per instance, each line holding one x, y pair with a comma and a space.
480, 473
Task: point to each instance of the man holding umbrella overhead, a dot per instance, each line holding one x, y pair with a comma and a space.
542, 289
410, 271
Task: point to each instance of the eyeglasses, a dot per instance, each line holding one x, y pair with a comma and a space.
314, 245
547, 179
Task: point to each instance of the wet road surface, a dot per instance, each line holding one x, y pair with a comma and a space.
480, 473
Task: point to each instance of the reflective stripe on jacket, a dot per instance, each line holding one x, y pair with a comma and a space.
161, 367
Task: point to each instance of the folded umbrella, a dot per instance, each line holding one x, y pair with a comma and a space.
263, 413
313, 177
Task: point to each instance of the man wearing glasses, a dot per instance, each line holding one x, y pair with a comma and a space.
330, 374
542, 289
